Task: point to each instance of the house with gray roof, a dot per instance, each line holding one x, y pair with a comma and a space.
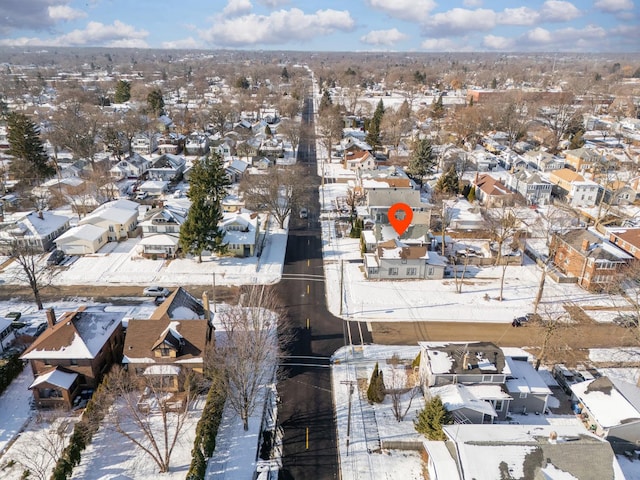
167, 167
38, 230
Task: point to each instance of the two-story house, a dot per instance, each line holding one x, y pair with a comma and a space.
161, 231
73, 354
573, 187
173, 341
582, 159
166, 168
134, 166
36, 230
171, 142
144, 143
543, 161
584, 255
534, 189
478, 383
197, 144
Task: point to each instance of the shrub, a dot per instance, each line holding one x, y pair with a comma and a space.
10, 370
375, 392
416, 361
431, 419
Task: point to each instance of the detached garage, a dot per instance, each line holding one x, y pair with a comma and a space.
82, 240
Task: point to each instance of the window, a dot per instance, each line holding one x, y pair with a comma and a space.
499, 405
73, 361
411, 271
430, 271
393, 271
111, 229
523, 395
373, 270
164, 351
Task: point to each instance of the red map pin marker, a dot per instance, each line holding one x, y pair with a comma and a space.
406, 215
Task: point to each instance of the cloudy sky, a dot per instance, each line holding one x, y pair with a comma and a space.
336, 25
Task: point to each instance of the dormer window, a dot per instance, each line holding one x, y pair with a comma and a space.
164, 351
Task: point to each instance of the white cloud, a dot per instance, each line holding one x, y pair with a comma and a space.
539, 36
410, 10
559, 11
613, 5
459, 20
383, 37
440, 45
237, 7
96, 33
517, 16
65, 12
273, 3
569, 38
495, 42
472, 3
184, 43
280, 27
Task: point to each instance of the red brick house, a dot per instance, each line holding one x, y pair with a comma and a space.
73, 354
586, 256
492, 192
628, 239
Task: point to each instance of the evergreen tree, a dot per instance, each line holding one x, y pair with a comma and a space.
123, 91
208, 187
431, 419
437, 109
422, 160
373, 131
375, 391
472, 194
448, 181
285, 74
325, 101
30, 163
155, 102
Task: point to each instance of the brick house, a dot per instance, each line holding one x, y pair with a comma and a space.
172, 342
628, 239
492, 192
584, 255
73, 354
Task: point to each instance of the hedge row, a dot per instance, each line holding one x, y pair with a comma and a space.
206, 431
10, 370
83, 432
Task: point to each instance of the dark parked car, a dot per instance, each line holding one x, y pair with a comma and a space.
55, 258
15, 316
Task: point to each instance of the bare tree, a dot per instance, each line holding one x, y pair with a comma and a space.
148, 414
43, 450
504, 223
397, 388
459, 280
33, 270
247, 349
279, 190
556, 115
329, 128
291, 129
553, 328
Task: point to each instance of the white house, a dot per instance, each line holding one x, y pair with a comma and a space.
119, 218
82, 240
241, 232
133, 167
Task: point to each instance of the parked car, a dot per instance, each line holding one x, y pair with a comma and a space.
141, 195
627, 320
156, 291
55, 258
15, 316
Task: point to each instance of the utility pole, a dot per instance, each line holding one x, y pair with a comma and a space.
214, 292
349, 384
341, 283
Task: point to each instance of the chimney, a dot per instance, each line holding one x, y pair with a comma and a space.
553, 437
465, 361
585, 245
207, 315
51, 317
40, 215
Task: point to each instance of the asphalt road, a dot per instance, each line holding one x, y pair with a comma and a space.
306, 412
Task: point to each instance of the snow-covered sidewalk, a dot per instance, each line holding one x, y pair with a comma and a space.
15, 408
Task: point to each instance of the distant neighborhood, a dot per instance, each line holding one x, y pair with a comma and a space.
525, 203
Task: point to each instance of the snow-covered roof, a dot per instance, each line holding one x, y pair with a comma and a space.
76, 335
55, 377
162, 370
82, 232
605, 402
112, 214
32, 224
524, 378
456, 396
160, 239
